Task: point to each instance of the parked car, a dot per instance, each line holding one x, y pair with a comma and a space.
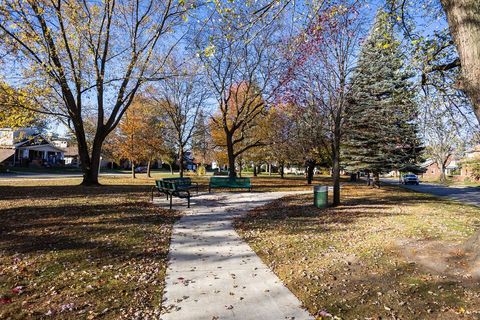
141, 169
410, 178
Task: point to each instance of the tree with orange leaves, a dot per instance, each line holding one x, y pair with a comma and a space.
138, 137
235, 125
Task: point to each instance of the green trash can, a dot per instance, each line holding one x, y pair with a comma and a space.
320, 196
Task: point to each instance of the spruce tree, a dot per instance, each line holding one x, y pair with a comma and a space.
381, 134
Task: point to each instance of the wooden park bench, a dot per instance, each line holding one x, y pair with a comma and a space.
171, 189
226, 182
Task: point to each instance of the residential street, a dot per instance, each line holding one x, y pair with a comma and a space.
470, 195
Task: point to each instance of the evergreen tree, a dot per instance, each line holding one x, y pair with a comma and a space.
381, 134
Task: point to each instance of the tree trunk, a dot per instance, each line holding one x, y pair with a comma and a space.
269, 169
133, 170
231, 157
255, 170
369, 181
464, 22
282, 170
149, 173
180, 156
171, 168
336, 170
240, 168
310, 170
376, 180
443, 176
89, 164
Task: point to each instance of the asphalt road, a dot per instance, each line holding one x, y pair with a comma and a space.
470, 195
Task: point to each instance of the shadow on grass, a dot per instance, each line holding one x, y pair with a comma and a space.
49, 192
30, 229
352, 208
73, 238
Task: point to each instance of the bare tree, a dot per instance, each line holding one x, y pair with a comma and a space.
89, 57
326, 73
243, 71
444, 137
182, 98
202, 145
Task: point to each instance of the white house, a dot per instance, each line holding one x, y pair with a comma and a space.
26, 146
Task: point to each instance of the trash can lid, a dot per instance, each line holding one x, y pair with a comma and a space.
320, 189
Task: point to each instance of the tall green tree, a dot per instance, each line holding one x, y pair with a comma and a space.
381, 134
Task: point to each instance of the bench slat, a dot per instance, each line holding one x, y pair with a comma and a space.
222, 182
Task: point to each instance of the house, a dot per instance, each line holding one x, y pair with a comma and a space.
71, 156
60, 143
470, 155
27, 147
473, 153
433, 170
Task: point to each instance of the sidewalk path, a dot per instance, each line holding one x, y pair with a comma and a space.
214, 274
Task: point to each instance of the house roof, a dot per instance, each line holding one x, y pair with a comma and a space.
427, 163
6, 153
71, 151
42, 147
473, 151
37, 142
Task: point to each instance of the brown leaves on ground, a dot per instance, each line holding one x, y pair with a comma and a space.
349, 261
76, 252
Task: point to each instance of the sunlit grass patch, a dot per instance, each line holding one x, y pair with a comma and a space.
382, 253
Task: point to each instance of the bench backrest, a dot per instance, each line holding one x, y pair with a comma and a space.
169, 185
172, 186
179, 181
230, 182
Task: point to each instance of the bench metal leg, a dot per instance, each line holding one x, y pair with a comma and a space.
171, 202
188, 199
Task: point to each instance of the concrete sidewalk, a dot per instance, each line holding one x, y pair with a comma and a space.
214, 274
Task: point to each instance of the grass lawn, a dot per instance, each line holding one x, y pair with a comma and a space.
67, 251
383, 254
73, 252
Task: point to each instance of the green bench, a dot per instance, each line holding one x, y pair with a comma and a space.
171, 189
226, 182
183, 183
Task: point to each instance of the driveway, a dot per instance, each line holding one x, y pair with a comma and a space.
469, 195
